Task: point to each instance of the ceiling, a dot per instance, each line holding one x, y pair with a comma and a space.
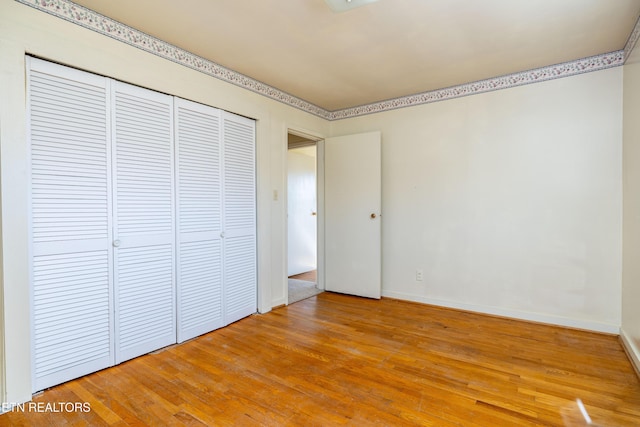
383, 50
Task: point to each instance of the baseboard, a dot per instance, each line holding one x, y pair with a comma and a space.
515, 314
631, 349
278, 302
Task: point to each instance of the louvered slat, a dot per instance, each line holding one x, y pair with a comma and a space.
199, 219
239, 172
144, 156
145, 297
70, 223
144, 220
239, 278
239, 201
200, 288
62, 336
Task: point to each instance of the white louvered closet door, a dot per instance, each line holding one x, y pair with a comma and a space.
143, 220
239, 217
199, 219
70, 223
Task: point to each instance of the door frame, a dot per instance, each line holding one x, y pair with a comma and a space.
319, 141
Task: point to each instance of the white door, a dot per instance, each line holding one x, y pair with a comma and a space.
103, 220
199, 218
302, 210
71, 258
143, 220
239, 217
353, 214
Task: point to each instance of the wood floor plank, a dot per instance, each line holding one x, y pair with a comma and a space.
341, 360
309, 276
98, 407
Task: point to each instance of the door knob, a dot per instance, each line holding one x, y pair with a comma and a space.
222, 235
313, 214
373, 216
116, 243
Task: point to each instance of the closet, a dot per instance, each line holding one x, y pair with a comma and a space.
142, 220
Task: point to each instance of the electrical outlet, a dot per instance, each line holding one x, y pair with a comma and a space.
418, 275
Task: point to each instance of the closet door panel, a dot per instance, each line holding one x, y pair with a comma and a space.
239, 219
144, 220
199, 219
133, 246
71, 255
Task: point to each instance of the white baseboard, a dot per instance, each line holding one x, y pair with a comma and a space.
515, 314
632, 350
279, 302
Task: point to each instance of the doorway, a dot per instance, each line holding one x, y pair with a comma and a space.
302, 218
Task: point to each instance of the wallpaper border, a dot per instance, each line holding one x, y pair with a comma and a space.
631, 41
551, 72
101, 24
69, 11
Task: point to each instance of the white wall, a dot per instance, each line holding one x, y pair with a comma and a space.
510, 201
26, 30
630, 330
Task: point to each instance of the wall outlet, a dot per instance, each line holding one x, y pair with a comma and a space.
418, 275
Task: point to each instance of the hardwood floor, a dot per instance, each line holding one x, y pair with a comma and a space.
309, 276
341, 360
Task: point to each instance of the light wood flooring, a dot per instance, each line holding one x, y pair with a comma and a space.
309, 276
340, 360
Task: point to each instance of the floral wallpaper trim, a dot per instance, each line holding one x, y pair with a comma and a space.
631, 41
585, 65
69, 11
92, 20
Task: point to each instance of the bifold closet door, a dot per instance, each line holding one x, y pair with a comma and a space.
239, 217
199, 218
70, 223
143, 203
121, 265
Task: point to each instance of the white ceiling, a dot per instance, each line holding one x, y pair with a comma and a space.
382, 50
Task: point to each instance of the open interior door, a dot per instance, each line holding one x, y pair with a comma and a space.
302, 210
353, 214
